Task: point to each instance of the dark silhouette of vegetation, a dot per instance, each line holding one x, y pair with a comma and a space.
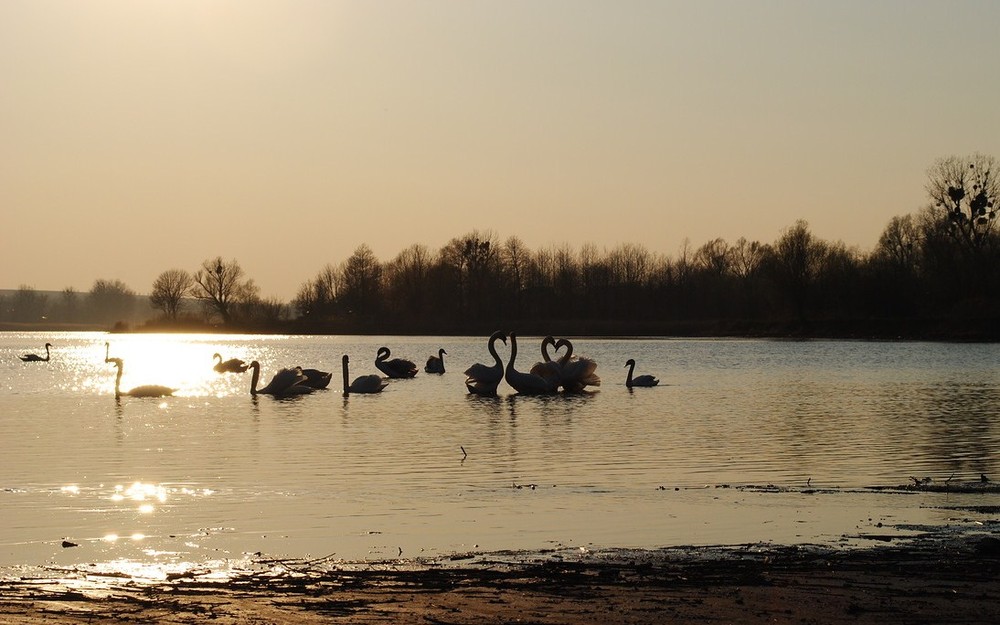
932, 274
223, 288
169, 290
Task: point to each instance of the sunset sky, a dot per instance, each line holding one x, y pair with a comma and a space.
143, 135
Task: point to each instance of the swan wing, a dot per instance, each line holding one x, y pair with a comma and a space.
233, 365
368, 384
529, 383
284, 380
403, 368
550, 370
316, 379
645, 380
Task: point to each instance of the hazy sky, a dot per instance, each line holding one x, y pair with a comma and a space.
143, 135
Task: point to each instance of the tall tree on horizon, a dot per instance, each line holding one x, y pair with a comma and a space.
221, 286
169, 290
967, 190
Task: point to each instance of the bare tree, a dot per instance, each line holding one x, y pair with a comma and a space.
967, 190
474, 261
746, 257
714, 256
899, 244
406, 278
514, 259
629, 264
169, 290
362, 281
796, 260
221, 286
317, 297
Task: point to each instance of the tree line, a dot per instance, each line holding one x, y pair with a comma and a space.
932, 273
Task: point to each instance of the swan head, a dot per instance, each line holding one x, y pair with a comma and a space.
630, 362
382, 353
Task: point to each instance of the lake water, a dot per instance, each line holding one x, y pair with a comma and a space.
424, 469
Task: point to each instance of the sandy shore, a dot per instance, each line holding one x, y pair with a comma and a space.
934, 578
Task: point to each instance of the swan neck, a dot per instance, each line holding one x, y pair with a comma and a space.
493, 349
254, 377
347, 387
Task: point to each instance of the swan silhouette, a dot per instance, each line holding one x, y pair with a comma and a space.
526, 383
36, 357
233, 365
435, 364
576, 373
317, 379
640, 380
149, 390
362, 384
285, 382
484, 379
549, 369
395, 368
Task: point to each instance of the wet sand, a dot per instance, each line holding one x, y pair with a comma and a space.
937, 577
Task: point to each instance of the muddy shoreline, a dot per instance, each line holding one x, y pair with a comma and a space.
938, 576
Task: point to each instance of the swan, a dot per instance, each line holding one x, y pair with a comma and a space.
395, 368
36, 357
317, 379
641, 380
576, 372
285, 382
548, 368
362, 384
526, 383
233, 365
148, 390
484, 379
435, 364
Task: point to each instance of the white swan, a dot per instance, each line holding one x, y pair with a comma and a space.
36, 357
483, 379
576, 372
435, 364
526, 383
395, 368
362, 384
233, 365
148, 390
285, 382
641, 380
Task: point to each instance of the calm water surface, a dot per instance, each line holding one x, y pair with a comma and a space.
426, 469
